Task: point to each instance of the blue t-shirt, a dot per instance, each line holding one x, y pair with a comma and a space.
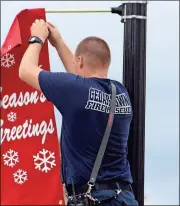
84, 104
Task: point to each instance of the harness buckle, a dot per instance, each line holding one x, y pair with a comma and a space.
90, 187
88, 193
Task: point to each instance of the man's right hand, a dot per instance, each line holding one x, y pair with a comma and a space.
54, 35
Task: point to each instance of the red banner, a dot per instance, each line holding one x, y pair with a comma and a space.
30, 157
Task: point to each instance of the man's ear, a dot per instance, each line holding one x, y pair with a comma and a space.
81, 61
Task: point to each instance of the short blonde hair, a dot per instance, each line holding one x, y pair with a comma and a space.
96, 49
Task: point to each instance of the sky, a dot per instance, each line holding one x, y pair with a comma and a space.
162, 89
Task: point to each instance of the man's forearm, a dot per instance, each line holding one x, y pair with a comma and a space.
65, 55
30, 58
28, 69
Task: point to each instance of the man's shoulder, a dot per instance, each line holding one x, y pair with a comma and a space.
60, 78
120, 87
118, 83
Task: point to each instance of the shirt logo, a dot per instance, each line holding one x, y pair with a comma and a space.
100, 101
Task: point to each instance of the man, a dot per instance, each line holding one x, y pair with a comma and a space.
83, 97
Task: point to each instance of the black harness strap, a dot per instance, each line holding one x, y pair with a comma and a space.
105, 139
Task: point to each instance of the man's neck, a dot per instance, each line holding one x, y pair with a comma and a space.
100, 73
98, 76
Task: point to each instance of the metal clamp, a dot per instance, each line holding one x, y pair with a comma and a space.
134, 17
131, 16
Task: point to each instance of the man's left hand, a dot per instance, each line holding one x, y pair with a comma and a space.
39, 28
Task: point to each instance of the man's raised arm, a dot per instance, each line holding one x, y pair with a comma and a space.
63, 51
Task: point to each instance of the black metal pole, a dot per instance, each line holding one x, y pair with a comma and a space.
134, 78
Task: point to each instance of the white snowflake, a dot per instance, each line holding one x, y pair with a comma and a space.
20, 176
12, 117
7, 60
44, 160
10, 158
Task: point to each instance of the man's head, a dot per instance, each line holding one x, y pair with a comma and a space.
92, 57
